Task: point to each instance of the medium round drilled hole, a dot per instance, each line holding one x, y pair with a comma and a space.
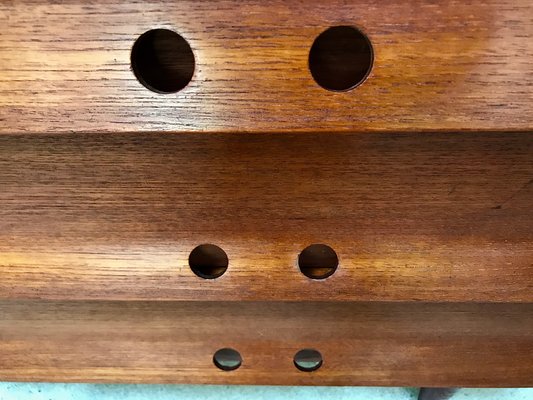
341, 58
162, 61
318, 261
208, 261
308, 360
227, 359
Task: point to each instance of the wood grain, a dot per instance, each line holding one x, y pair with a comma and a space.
106, 187
361, 343
438, 217
439, 65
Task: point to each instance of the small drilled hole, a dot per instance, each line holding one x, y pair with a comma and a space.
308, 360
162, 61
318, 261
208, 261
227, 359
341, 58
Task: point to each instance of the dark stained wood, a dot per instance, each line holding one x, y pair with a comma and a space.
361, 343
439, 217
439, 65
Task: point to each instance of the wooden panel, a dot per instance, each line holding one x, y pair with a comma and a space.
361, 344
439, 65
440, 217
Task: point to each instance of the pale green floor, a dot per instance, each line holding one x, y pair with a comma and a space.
49, 391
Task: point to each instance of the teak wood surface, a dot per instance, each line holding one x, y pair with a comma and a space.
437, 217
421, 180
400, 344
439, 65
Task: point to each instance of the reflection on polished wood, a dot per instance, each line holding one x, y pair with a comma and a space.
412, 193
439, 217
441, 65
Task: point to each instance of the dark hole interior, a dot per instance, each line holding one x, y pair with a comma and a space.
318, 261
227, 359
341, 58
208, 261
162, 61
308, 360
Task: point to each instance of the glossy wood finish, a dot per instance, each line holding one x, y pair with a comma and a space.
361, 343
440, 217
440, 65
106, 187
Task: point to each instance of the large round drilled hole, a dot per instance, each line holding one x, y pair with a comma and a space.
308, 360
208, 261
341, 58
318, 261
162, 61
227, 359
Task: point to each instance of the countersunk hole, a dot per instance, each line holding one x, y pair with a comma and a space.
318, 261
208, 261
341, 58
162, 61
308, 360
227, 359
